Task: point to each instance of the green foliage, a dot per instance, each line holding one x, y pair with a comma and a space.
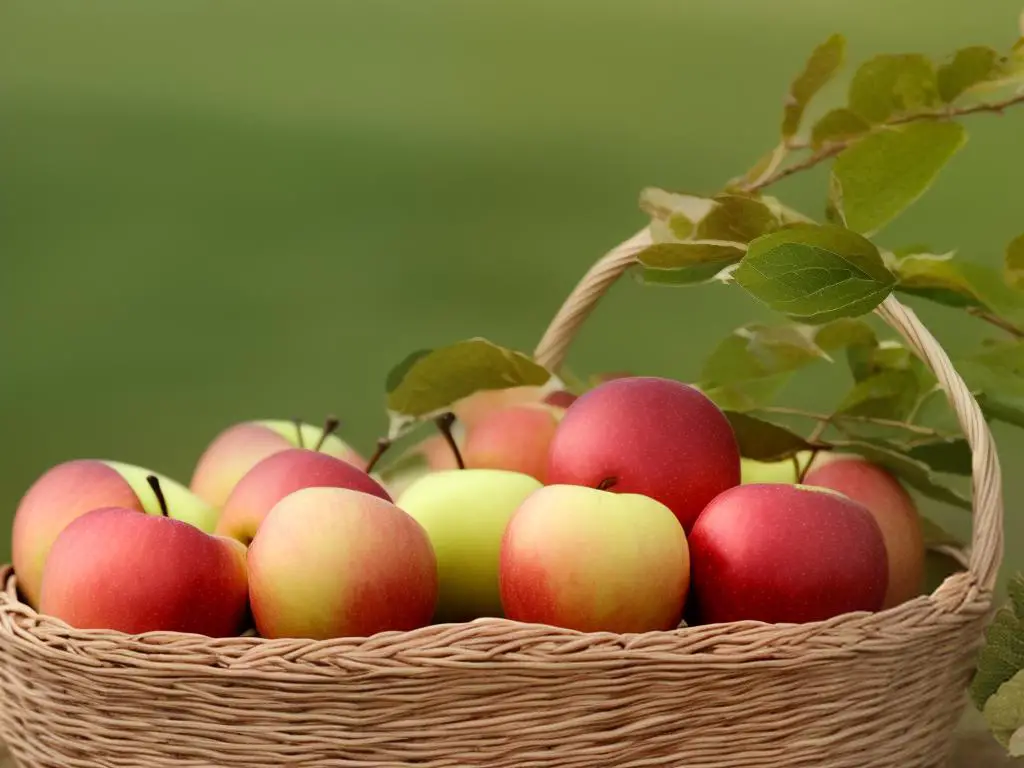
952, 456
878, 177
968, 68
821, 67
958, 283
815, 273
1002, 656
764, 441
1014, 262
893, 84
838, 125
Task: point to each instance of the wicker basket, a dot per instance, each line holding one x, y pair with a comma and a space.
882, 690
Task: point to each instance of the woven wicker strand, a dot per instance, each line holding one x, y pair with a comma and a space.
881, 690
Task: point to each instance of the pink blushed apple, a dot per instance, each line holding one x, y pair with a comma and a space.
514, 438
332, 562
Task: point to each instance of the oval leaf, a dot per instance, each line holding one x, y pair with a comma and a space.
1004, 710
1002, 655
764, 441
1014, 262
427, 384
815, 273
884, 173
893, 84
949, 456
820, 68
838, 125
959, 283
891, 394
686, 255
736, 219
969, 67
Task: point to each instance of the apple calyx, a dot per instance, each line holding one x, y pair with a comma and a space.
154, 483
607, 483
298, 433
382, 445
444, 423
330, 427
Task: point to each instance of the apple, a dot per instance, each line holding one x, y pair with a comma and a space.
465, 512
119, 569
894, 511
515, 437
283, 473
786, 471
69, 490
650, 436
239, 448
333, 562
471, 409
781, 553
594, 561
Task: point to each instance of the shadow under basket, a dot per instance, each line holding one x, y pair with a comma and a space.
881, 690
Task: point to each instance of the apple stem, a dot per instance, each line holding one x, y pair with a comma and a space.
298, 433
154, 483
330, 427
607, 483
444, 423
382, 445
802, 473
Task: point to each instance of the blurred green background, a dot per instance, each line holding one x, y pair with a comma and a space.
212, 212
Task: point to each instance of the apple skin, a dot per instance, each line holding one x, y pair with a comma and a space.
894, 511
594, 561
118, 569
465, 513
281, 474
239, 448
333, 562
69, 490
516, 438
650, 436
782, 553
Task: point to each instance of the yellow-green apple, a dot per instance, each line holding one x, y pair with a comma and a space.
332, 562
283, 473
69, 490
782, 553
515, 437
239, 448
786, 471
651, 436
117, 568
894, 511
465, 512
590, 560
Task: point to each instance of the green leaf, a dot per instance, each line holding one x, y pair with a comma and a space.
756, 351
969, 67
936, 536
933, 410
838, 125
747, 395
674, 278
996, 376
820, 68
428, 384
844, 333
951, 456
958, 283
891, 394
887, 171
893, 84
1004, 710
688, 256
938, 566
815, 273
997, 410
1014, 263
764, 441
736, 219
1002, 655
914, 473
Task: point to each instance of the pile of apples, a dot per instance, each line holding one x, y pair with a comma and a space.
627, 509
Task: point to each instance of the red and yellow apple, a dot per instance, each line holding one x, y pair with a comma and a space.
333, 562
650, 436
117, 568
594, 561
69, 490
465, 513
893, 509
238, 449
281, 474
515, 438
782, 553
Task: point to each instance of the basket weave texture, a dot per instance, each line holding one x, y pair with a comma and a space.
881, 690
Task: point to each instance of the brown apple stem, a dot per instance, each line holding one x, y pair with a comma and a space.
298, 433
802, 473
330, 427
607, 483
382, 445
154, 483
444, 423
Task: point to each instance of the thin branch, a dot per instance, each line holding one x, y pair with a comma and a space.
993, 106
824, 418
810, 161
997, 321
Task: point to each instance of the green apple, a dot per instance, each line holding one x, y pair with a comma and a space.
464, 512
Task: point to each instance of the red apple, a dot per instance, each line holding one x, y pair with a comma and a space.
514, 438
238, 449
281, 474
782, 553
119, 569
332, 562
69, 490
594, 561
894, 511
647, 435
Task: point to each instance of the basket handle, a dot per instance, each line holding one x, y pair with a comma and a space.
987, 538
